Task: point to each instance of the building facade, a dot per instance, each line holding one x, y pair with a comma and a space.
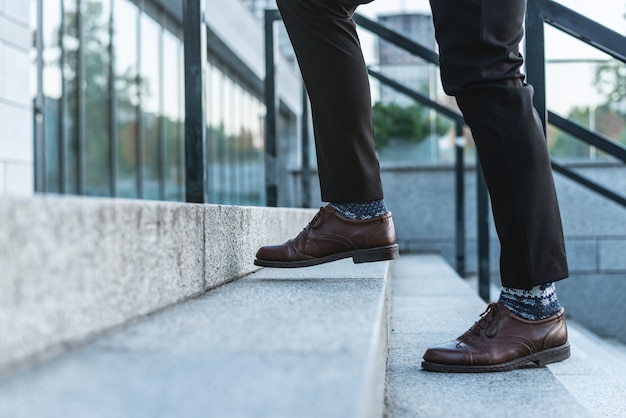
94, 90
16, 144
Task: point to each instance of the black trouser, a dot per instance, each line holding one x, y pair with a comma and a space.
480, 65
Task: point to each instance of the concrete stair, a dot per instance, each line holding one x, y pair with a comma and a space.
431, 304
336, 340
308, 342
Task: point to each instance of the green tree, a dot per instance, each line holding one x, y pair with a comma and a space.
410, 123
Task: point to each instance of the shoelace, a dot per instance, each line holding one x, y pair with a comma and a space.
317, 216
488, 319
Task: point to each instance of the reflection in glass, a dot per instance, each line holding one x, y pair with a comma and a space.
95, 46
212, 114
52, 92
150, 105
113, 82
600, 100
71, 69
126, 95
172, 116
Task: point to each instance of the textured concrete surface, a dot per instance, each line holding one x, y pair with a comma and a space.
597, 302
234, 234
74, 267
278, 343
596, 372
431, 305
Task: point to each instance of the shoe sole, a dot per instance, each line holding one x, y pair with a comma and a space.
369, 255
541, 358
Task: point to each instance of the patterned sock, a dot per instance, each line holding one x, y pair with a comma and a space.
537, 303
362, 210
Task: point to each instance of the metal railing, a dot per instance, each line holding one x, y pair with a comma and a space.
482, 196
272, 16
592, 33
538, 13
195, 131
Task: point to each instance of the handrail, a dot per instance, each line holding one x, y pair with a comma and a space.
584, 29
582, 180
538, 12
568, 21
482, 196
591, 33
456, 116
397, 39
592, 138
460, 252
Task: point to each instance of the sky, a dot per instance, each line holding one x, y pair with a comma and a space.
559, 46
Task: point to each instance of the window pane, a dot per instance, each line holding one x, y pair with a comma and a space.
96, 40
172, 116
212, 109
126, 95
70, 73
150, 104
52, 90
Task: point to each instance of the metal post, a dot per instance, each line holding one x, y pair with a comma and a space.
139, 126
306, 163
271, 103
484, 279
80, 92
161, 151
63, 111
460, 198
39, 107
113, 134
195, 133
535, 55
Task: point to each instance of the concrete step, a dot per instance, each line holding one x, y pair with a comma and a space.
308, 342
72, 268
596, 372
430, 305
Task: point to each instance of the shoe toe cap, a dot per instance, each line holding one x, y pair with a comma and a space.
452, 352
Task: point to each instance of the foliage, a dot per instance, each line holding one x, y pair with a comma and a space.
607, 121
410, 123
610, 80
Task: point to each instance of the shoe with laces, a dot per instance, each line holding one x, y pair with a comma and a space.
329, 237
502, 341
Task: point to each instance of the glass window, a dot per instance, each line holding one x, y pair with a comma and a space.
150, 105
52, 85
96, 16
217, 111
113, 97
71, 69
212, 114
599, 102
172, 116
126, 95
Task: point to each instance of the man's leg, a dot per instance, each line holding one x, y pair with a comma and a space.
356, 224
327, 47
480, 65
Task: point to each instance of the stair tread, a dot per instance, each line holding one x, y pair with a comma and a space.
277, 343
437, 306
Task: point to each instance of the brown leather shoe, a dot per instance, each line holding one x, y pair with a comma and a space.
329, 237
502, 341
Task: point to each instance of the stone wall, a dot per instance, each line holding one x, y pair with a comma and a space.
74, 267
